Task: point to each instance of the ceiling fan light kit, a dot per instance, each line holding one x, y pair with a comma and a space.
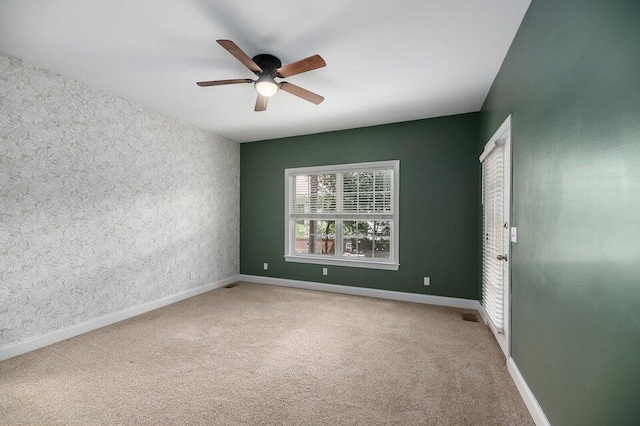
268, 68
266, 85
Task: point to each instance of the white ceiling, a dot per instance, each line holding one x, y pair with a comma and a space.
387, 61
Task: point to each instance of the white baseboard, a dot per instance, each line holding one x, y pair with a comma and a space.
530, 400
34, 343
483, 314
368, 292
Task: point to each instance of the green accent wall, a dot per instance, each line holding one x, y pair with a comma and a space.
439, 193
572, 82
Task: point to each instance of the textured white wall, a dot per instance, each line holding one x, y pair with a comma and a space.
104, 205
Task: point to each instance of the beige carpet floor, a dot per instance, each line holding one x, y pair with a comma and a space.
264, 355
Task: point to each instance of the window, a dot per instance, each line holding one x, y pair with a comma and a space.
343, 215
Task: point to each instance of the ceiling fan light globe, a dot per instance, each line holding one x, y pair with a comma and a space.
266, 86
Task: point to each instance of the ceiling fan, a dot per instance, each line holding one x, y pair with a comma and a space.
268, 68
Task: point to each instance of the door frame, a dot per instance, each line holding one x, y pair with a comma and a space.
504, 133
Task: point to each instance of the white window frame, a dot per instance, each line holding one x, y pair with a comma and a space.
338, 259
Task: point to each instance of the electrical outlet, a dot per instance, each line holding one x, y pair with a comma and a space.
265, 266
325, 271
427, 281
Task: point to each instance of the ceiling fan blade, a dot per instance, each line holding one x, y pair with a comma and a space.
223, 82
240, 55
303, 65
301, 93
261, 103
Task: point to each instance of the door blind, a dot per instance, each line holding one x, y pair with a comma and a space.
493, 236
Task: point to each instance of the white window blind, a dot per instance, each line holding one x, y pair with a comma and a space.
493, 176
367, 191
359, 194
344, 214
313, 193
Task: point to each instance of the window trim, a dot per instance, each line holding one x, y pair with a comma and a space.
393, 264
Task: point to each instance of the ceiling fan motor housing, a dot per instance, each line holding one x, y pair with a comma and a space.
268, 63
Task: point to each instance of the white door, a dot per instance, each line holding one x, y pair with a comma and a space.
496, 224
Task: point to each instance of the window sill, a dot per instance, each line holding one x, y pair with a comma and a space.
369, 264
